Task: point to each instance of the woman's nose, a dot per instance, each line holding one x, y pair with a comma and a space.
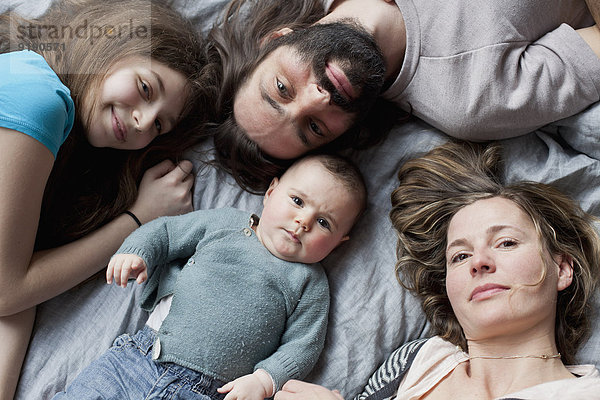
482, 263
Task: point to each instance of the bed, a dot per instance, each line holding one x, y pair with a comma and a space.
370, 314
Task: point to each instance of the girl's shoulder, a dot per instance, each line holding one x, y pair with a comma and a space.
34, 99
27, 72
25, 64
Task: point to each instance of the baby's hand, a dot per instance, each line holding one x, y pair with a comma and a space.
256, 386
122, 266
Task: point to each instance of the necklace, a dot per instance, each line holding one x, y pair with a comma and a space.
542, 356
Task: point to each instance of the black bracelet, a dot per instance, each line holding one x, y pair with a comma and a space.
132, 215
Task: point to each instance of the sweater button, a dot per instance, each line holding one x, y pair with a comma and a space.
156, 349
247, 232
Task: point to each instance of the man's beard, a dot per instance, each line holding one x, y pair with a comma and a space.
353, 49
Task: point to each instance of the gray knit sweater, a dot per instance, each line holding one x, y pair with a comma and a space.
236, 307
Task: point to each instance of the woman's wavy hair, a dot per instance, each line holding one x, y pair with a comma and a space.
433, 188
235, 43
90, 186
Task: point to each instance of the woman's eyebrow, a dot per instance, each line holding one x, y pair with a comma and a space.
457, 243
491, 230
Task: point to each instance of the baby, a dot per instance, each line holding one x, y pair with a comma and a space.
248, 310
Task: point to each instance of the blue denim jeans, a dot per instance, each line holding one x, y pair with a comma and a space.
127, 371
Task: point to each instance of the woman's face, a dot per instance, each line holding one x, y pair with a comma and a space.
495, 272
138, 100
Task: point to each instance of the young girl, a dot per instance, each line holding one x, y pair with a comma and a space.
79, 87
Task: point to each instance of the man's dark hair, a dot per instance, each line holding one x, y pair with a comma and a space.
235, 42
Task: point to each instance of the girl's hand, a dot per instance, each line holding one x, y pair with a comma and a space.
122, 266
165, 189
298, 390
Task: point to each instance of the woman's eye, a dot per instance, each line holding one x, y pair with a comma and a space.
508, 243
297, 200
158, 125
315, 128
460, 257
323, 222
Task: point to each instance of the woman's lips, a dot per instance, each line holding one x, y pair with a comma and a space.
486, 291
118, 127
340, 81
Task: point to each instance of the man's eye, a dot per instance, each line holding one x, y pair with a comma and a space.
315, 128
324, 223
281, 87
297, 200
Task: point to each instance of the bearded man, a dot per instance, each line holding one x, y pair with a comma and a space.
300, 74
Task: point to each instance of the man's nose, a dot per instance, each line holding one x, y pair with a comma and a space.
311, 100
319, 94
315, 97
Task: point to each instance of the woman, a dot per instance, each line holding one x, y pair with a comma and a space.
98, 102
505, 275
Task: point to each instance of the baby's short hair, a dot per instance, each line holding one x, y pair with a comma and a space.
346, 172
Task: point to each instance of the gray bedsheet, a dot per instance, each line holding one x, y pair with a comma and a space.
370, 314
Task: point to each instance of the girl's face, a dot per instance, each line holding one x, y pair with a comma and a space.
495, 272
138, 100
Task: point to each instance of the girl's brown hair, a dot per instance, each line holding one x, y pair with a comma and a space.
433, 188
90, 186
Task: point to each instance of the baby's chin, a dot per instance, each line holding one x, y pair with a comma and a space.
284, 257
294, 254
302, 259
296, 258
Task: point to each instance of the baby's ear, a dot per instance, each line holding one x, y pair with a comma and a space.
342, 240
565, 271
272, 187
274, 35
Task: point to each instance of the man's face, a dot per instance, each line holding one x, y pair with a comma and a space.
310, 89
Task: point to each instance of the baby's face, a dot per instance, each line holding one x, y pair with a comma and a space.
307, 213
